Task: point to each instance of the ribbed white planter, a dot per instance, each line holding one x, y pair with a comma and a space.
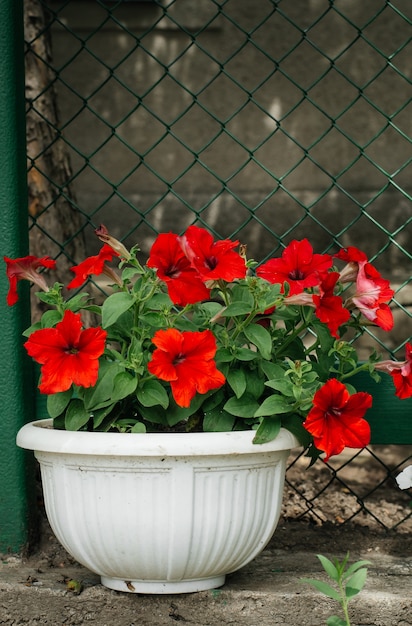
160, 513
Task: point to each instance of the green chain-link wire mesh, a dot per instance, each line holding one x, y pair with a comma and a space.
169, 113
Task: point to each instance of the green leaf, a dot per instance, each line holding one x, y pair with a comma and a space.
334, 620
114, 306
57, 402
243, 354
356, 582
152, 393
218, 420
176, 414
260, 337
354, 567
99, 416
324, 588
223, 355
274, 405
268, 429
139, 427
284, 385
255, 385
124, 384
236, 379
49, 319
246, 406
272, 370
76, 415
103, 389
77, 302
237, 308
329, 567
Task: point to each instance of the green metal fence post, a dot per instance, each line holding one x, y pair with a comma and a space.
16, 389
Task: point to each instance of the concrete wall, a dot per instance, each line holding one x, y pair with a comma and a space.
301, 129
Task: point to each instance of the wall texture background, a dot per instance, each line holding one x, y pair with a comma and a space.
274, 120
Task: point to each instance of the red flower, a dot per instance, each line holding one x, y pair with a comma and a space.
401, 372
336, 419
26, 268
104, 235
213, 260
298, 267
329, 307
94, 265
372, 294
186, 360
351, 255
67, 353
183, 282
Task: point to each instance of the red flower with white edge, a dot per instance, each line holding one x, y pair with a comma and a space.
337, 419
212, 260
401, 372
372, 294
68, 355
25, 268
186, 360
94, 266
329, 307
183, 282
298, 266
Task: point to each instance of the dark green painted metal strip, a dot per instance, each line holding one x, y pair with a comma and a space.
15, 369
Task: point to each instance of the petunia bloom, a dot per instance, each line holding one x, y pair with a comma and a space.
186, 360
183, 282
372, 294
94, 266
353, 256
401, 372
329, 307
116, 245
337, 419
25, 268
212, 260
298, 266
68, 355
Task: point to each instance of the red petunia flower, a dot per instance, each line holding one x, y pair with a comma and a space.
401, 372
183, 282
116, 245
372, 294
213, 260
94, 265
25, 268
336, 419
297, 266
68, 354
186, 360
353, 256
329, 307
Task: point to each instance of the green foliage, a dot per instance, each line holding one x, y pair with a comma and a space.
349, 581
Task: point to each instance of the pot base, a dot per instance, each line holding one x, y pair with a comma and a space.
158, 587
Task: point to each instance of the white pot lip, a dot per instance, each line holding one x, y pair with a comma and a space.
41, 437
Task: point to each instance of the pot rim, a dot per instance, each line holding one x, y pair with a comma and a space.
40, 436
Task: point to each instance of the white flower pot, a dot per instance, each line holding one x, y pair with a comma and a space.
160, 513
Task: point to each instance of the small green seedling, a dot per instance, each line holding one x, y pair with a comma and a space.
349, 582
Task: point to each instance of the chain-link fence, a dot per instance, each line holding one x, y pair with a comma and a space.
267, 121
